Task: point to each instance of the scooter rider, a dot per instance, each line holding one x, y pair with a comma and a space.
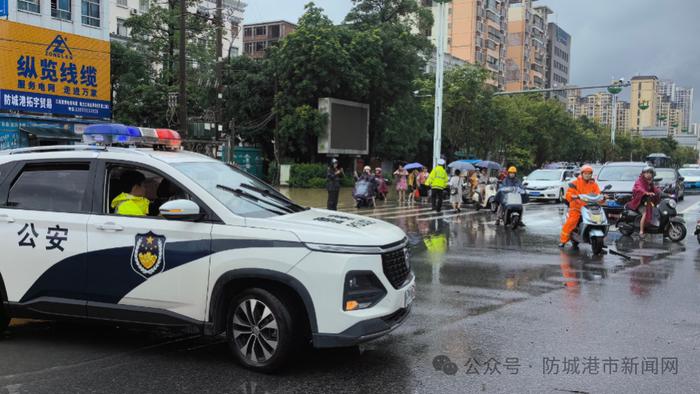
584, 184
644, 187
509, 181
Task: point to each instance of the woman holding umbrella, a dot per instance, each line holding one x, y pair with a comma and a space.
401, 183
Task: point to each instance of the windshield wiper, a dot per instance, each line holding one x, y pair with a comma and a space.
250, 197
278, 197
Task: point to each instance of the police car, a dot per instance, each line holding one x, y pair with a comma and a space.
217, 250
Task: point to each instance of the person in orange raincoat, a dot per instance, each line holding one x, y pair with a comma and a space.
584, 184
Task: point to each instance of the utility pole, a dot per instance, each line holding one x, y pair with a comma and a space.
183, 69
219, 66
439, 74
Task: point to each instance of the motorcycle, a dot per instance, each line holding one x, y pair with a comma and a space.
362, 193
664, 218
512, 206
593, 225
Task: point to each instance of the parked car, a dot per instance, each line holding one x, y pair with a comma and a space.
621, 176
672, 182
548, 185
691, 177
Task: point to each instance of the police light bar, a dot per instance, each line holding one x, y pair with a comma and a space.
119, 134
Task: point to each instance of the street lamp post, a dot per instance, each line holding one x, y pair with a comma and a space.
439, 74
614, 90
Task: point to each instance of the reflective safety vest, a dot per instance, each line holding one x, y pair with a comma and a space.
128, 205
438, 178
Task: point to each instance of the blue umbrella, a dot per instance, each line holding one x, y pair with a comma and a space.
411, 166
462, 166
492, 165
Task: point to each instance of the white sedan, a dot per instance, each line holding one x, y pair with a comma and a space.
548, 184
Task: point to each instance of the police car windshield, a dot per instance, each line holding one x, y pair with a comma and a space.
240, 192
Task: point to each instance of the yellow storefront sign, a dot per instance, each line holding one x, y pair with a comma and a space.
44, 70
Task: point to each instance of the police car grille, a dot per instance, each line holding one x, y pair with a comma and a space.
395, 267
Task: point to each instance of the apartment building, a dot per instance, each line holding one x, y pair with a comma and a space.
526, 45
259, 36
476, 33
643, 102
558, 58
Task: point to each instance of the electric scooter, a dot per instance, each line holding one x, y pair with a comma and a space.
512, 211
593, 226
664, 218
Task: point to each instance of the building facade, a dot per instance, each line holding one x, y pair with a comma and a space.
526, 47
54, 71
558, 58
643, 102
233, 12
259, 36
476, 33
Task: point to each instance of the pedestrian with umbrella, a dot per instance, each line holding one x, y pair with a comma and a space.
401, 183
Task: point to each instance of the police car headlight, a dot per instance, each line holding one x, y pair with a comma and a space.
672, 204
329, 248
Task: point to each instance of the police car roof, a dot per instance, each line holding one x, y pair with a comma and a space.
93, 151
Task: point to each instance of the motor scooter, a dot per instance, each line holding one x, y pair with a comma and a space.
664, 218
512, 211
593, 225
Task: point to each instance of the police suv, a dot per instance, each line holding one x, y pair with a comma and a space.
218, 250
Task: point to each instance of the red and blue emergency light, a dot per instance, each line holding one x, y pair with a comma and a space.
116, 133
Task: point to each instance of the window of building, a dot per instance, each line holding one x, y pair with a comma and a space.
56, 187
261, 30
61, 9
143, 6
121, 29
248, 48
91, 12
248, 32
122, 3
273, 31
260, 46
29, 5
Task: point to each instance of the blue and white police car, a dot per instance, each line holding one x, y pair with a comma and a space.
217, 249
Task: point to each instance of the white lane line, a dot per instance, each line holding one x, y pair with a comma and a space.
399, 213
449, 216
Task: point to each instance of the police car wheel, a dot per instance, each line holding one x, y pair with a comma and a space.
259, 330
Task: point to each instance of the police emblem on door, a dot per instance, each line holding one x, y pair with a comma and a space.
148, 257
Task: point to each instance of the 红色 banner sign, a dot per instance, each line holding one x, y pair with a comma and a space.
48, 71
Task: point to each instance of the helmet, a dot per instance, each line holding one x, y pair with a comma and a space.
441, 162
334, 160
586, 168
512, 169
367, 168
649, 169
377, 169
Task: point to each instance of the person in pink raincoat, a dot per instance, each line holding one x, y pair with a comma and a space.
644, 187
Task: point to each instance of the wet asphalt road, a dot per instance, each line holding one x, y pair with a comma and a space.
496, 311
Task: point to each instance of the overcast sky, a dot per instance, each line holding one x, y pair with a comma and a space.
610, 38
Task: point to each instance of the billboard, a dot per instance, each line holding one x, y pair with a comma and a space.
47, 71
347, 130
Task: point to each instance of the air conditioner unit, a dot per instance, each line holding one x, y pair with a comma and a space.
134, 11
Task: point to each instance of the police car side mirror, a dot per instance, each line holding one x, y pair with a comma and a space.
180, 210
607, 188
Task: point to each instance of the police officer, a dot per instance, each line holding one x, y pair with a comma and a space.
437, 180
333, 176
132, 201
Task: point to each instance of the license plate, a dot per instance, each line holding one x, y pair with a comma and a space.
535, 194
409, 295
614, 204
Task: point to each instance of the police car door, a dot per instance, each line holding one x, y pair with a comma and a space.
146, 269
44, 210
